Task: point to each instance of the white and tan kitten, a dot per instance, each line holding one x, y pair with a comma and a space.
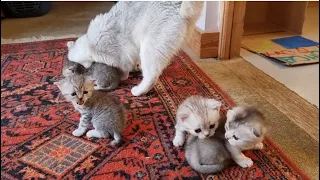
198, 116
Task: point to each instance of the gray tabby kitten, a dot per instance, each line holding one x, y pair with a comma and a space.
245, 129
105, 112
107, 78
213, 154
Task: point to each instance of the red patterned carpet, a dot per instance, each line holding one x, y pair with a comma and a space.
36, 125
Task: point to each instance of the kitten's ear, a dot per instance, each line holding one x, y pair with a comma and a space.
183, 116
70, 44
257, 132
90, 82
93, 82
214, 104
230, 114
59, 83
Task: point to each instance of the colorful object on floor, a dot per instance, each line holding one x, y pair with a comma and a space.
294, 42
297, 56
288, 57
36, 125
261, 46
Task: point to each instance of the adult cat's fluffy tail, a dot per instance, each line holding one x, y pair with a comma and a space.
205, 169
191, 10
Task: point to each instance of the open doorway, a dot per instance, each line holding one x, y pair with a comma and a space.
261, 28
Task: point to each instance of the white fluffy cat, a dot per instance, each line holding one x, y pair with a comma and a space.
152, 31
198, 116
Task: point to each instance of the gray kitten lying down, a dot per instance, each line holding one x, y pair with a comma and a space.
106, 78
243, 130
105, 112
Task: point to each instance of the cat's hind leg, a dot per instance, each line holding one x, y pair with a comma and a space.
117, 139
154, 57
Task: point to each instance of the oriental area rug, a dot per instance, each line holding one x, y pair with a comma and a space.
37, 122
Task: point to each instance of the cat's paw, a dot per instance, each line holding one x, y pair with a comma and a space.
115, 142
124, 76
79, 132
97, 88
258, 146
245, 162
178, 141
93, 133
136, 91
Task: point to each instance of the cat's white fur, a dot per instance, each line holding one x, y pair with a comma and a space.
132, 32
196, 112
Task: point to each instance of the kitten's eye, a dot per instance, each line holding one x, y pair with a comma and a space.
197, 130
212, 126
95, 85
73, 94
72, 70
235, 137
85, 92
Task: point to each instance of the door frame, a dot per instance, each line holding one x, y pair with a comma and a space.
232, 14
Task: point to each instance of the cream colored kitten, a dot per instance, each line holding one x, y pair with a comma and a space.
198, 116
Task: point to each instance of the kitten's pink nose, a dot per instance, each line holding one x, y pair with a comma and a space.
206, 133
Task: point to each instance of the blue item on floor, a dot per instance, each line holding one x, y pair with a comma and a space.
294, 42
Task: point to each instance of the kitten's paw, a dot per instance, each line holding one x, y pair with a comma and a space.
79, 132
124, 76
97, 88
245, 162
93, 133
136, 91
178, 141
258, 146
115, 142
